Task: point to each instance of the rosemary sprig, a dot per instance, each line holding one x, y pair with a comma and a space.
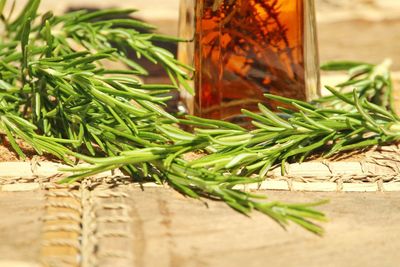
295, 135
57, 95
372, 82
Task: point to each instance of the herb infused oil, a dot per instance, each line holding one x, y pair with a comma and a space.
242, 49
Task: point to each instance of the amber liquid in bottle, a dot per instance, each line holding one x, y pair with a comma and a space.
246, 48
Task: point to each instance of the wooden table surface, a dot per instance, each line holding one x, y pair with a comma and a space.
125, 226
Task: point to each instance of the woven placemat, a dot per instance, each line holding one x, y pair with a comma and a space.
375, 170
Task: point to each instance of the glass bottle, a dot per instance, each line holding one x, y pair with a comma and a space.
242, 49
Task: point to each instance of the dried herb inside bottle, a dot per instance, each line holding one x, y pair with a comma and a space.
244, 49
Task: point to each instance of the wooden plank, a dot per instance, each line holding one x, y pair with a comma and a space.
159, 227
21, 216
163, 14
330, 11
18, 264
360, 40
169, 230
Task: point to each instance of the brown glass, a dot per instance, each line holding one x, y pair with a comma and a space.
244, 49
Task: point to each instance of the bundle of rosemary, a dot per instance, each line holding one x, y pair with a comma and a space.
57, 96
